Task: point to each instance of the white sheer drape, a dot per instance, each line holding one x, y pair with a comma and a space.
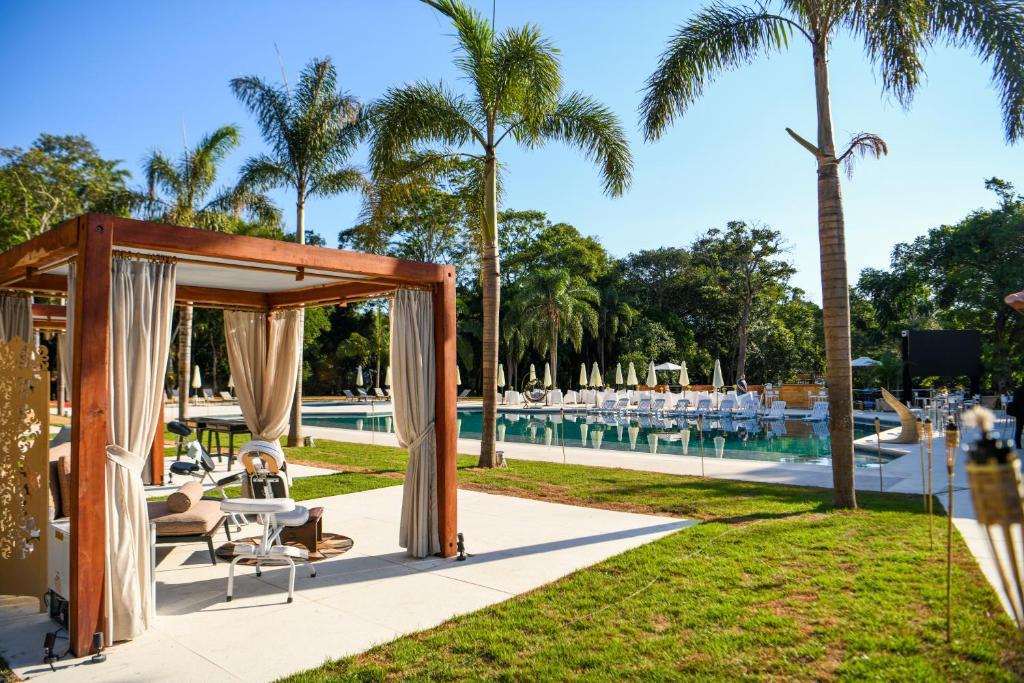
263, 353
15, 316
412, 392
141, 304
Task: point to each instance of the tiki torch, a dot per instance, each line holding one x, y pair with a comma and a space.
952, 440
928, 446
920, 443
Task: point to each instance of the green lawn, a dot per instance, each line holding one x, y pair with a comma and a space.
774, 584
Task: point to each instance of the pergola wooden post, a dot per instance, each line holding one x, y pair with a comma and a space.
89, 431
289, 275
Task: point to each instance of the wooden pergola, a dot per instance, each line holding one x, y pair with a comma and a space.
215, 270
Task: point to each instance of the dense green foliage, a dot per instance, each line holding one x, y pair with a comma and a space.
57, 177
953, 277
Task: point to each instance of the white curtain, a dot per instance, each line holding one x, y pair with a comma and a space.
412, 393
264, 352
15, 316
141, 304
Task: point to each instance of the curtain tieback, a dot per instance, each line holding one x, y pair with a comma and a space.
125, 458
419, 439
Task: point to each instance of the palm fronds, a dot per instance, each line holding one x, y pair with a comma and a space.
718, 38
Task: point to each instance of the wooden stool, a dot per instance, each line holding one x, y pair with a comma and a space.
309, 534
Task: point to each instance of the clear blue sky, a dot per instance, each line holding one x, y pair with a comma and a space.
128, 74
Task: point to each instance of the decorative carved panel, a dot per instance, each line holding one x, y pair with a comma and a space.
24, 471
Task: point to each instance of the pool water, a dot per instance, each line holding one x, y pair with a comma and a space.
780, 441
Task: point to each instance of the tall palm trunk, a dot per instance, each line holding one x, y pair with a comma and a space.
742, 335
491, 284
184, 358
835, 294
295, 423
554, 355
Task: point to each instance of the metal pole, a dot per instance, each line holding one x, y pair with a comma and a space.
878, 447
920, 442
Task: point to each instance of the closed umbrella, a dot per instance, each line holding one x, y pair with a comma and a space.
652, 378
583, 375
618, 374
632, 431
684, 376
684, 439
583, 434
197, 379
547, 375
631, 380
719, 446
597, 436
231, 381
548, 434
717, 382
652, 442
533, 374
501, 431
359, 376
501, 375
458, 375
595, 377
387, 377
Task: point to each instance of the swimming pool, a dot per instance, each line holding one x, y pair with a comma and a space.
793, 441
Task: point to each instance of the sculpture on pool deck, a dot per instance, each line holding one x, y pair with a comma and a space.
908, 423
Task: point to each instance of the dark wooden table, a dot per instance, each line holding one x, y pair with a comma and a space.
213, 427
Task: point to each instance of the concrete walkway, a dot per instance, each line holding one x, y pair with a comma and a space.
372, 594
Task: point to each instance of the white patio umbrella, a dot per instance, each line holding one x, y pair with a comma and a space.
359, 376
596, 437
231, 381
719, 446
197, 379
583, 375
684, 440
548, 434
547, 375
501, 431
387, 377
458, 375
532, 377
618, 374
864, 362
631, 380
652, 378
583, 434
684, 376
652, 442
717, 382
669, 367
501, 375
633, 431
595, 376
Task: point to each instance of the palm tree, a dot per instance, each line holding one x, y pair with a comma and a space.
895, 34
562, 307
614, 315
515, 94
312, 131
179, 192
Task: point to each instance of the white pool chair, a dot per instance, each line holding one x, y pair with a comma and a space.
622, 405
819, 412
703, 406
606, 407
726, 408
658, 405
642, 406
777, 411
